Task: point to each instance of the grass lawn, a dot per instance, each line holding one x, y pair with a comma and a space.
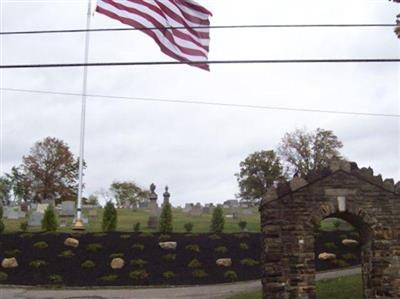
340, 288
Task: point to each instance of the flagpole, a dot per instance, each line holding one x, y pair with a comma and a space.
78, 225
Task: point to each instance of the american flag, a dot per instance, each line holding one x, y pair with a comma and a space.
186, 41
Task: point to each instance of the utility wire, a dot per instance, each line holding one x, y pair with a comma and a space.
152, 63
204, 103
198, 27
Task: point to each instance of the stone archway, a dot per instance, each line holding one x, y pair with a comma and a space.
290, 212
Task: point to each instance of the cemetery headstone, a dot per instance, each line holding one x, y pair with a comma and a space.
67, 208
153, 218
35, 219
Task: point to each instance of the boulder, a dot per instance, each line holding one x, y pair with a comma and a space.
225, 262
325, 256
71, 242
117, 263
168, 245
350, 242
9, 263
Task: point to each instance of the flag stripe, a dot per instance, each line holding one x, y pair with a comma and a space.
184, 44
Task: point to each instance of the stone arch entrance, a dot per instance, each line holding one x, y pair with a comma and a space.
290, 212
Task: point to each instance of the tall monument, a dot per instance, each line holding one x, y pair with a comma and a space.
166, 196
153, 218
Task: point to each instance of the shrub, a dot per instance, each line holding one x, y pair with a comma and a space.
1, 220
243, 246
26, 235
168, 275
37, 264
41, 245
194, 264
221, 249
170, 257
109, 278
99, 235
138, 263
193, 247
340, 263
146, 235
336, 224
124, 236
138, 247
49, 221
349, 256
217, 221
164, 237
3, 276
242, 225
166, 219
66, 253
199, 273
94, 247
249, 262
24, 226
138, 274
330, 245
214, 237
55, 278
116, 255
136, 227
12, 252
242, 235
109, 222
231, 275
88, 264
188, 227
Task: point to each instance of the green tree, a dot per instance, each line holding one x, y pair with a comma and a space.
257, 173
128, 193
165, 225
304, 152
109, 222
1, 219
20, 184
49, 221
217, 221
5, 189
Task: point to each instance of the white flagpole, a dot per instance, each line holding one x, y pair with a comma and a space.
78, 225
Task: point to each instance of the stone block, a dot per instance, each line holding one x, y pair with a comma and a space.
297, 183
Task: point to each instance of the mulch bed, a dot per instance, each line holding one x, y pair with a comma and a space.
70, 271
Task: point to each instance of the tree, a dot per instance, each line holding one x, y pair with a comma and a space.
257, 173
91, 200
1, 220
109, 222
165, 225
217, 221
306, 152
51, 171
128, 193
20, 184
49, 221
5, 189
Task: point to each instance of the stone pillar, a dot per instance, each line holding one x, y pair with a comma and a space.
166, 196
153, 207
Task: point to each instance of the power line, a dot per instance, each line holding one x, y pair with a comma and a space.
198, 27
152, 63
204, 103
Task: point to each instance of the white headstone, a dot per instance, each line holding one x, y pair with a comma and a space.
35, 219
41, 207
67, 208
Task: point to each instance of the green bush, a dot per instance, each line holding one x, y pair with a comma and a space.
242, 235
221, 249
37, 264
194, 264
249, 262
168, 275
88, 264
26, 235
66, 253
188, 227
138, 247
99, 235
138, 263
12, 252
109, 278
164, 238
136, 227
55, 278
243, 246
231, 275
242, 225
24, 226
116, 255
49, 221
124, 236
165, 225
193, 247
170, 257
214, 237
94, 247
341, 263
330, 245
349, 256
199, 273
217, 221
3, 276
40, 245
109, 222
1, 220
146, 235
138, 274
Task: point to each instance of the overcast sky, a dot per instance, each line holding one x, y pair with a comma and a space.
196, 150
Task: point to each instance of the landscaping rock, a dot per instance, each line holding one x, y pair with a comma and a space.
117, 263
226, 262
325, 256
71, 242
9, 263
168, 245
350, 242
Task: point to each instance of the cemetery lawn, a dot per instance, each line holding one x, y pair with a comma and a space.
339, 288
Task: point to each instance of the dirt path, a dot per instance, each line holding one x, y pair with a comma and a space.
198, 292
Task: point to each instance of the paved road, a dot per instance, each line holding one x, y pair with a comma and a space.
198, 292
